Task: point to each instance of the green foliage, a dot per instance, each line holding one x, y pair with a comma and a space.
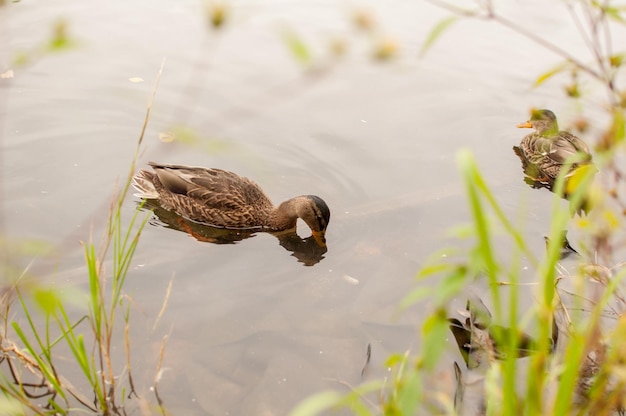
190, 137
11, 406
34, 353
60, 37
434, 332
59, 40
563, 66
317, 404
555, 377
297, 46
26, 247
217, 14
573, 366
330, 400
436, 33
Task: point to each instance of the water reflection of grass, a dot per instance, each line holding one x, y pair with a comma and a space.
578, 314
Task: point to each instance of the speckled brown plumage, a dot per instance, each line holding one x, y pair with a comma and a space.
224, 199
549, 149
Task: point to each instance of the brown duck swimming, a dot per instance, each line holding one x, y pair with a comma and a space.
224, 199
547, 149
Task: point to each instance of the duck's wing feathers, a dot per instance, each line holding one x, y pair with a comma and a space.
211, 187
566, 146
143, 182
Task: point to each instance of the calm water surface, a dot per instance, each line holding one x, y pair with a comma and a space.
251, 330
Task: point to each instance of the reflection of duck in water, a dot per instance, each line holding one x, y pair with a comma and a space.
480, 343
224, 200
547, 150
306, 250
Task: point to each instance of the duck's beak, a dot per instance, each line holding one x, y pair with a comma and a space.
319, 237
526, 125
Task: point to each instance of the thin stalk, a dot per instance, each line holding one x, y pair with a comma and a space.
47, 372
481, 225
603, 75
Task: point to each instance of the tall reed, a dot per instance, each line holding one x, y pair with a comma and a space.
35, 373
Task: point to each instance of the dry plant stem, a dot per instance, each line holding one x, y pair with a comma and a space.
502, 283
352, 389
596, 23
107, 375
159, 375
368, 357
590, 39
27, 363
564, 308
76, 395
6, 301
145, 121
164, 305
33, 368
130, 373
618, 178
604, 76
118, 199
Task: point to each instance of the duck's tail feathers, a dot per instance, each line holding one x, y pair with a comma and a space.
142, 182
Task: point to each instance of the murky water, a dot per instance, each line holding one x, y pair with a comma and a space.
252, 330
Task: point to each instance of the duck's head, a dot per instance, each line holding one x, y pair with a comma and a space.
315, 213
544, 121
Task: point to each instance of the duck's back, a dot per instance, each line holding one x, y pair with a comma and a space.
212, 196
550, 154
574, 146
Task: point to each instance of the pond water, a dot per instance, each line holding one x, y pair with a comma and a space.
251, 329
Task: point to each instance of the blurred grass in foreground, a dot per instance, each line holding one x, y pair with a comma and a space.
578, 317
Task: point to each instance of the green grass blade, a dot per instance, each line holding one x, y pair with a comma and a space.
42, 346
298, 48
439, 29
483, 254
551, 72
317, 404
45, 369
